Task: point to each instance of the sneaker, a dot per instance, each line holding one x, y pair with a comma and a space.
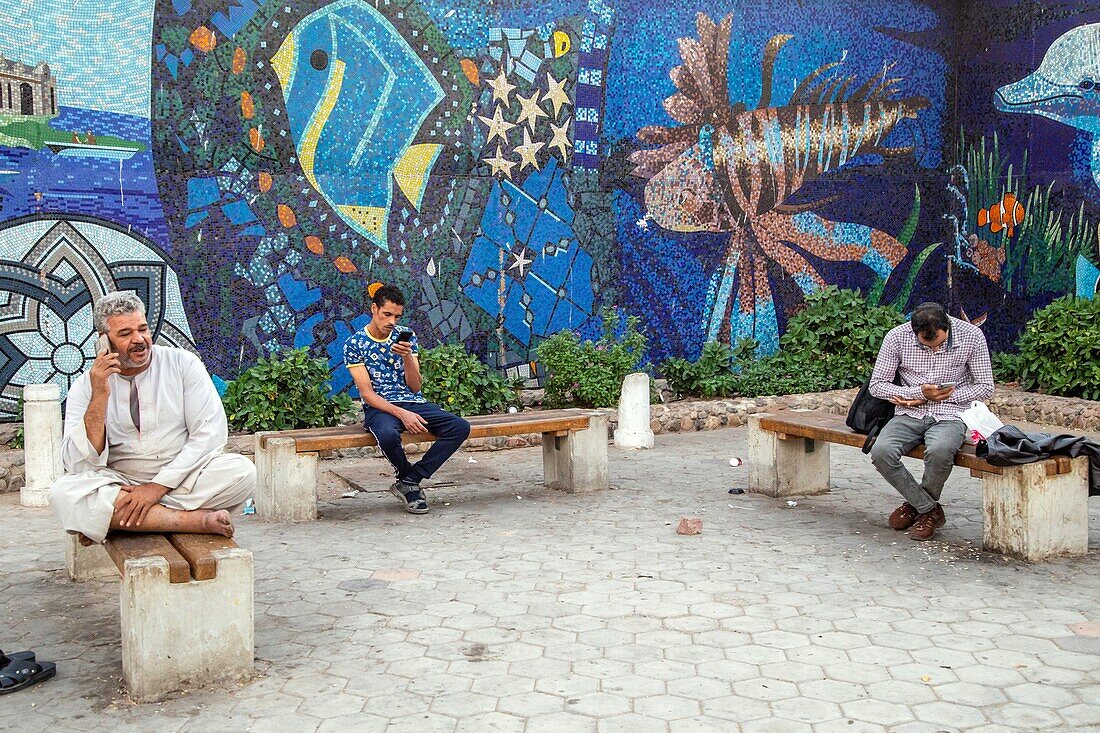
903, 517
412, 498
925, 526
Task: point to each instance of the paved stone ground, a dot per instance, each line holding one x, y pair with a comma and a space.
515, 608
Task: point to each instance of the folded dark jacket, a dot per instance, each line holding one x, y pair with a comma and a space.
1010, 446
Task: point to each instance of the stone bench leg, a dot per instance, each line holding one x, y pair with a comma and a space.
786, 467
1033, 516
186, 634
286, 485
577, 462
87, 563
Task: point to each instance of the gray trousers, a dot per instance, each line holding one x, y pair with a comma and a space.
902, 434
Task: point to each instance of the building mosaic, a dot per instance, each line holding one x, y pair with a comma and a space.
31, 90
518, 166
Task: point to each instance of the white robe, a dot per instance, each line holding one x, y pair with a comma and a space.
181, 445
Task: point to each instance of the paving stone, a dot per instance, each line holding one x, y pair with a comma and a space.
1040, 695
776, 725
631, 723
967, 693
949, 714
805, 710
1025, 717
667, 707
877, 711
529, 704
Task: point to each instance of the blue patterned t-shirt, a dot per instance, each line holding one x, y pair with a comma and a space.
386, 369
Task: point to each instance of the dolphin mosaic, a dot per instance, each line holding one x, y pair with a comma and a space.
356, 96
1065, 87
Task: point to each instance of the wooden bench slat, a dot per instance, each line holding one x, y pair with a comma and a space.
198, 551
481, 426
123, 546
831, 428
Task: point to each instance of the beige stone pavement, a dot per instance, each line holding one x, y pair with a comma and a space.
511, 607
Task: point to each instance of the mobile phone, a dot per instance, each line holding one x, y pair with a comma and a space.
946, 385
404, 337
103, 344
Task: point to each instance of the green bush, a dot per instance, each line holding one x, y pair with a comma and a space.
459, 382
711, 376
837, 337
780, 374
587, 373
1006, 366
831, 344
1060, 350
284, 392
17, 439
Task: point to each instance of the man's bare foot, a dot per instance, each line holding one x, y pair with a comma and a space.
83, 540
218, 522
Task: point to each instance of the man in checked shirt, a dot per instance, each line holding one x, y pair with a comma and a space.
944, 366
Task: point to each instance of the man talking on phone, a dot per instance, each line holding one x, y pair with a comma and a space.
944, 365
145, 435
382, 360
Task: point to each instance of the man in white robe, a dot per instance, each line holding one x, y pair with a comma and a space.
145, 435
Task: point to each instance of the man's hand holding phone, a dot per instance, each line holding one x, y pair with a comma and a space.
938, 392
105, 364
403, 345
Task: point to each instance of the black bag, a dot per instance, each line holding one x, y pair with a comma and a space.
868, 414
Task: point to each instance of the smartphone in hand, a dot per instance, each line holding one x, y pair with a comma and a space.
102, 344
946, 385
404, 337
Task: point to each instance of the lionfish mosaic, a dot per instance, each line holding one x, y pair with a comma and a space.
726, 168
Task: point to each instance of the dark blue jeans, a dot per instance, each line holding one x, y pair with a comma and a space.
450, 431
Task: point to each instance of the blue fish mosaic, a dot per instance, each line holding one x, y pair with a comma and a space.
356, 96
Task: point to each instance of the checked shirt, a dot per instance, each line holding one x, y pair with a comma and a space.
963, 359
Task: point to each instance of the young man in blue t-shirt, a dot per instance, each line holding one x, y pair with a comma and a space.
382, 359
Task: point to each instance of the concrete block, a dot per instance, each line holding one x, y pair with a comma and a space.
633, 430
785, 467
87, 563
286, 481
577, 462
41, 442
183, 635
1033, 516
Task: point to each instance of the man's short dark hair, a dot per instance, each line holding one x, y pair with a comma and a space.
929, 318
388, 294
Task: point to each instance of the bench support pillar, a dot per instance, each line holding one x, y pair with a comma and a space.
286, 486
577, 462
87, 563
786, 467
184, 634
1033, 516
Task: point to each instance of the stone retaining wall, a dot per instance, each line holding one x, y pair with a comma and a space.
12, 474
685, 416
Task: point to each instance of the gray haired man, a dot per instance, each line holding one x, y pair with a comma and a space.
145, 435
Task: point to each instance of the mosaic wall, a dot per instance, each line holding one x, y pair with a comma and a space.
251, 166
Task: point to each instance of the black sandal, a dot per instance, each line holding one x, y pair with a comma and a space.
5, 659
22, 672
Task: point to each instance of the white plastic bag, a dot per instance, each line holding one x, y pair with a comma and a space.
980, 422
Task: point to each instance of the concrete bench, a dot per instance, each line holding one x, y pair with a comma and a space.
574, 456
1032, 511
186, 607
